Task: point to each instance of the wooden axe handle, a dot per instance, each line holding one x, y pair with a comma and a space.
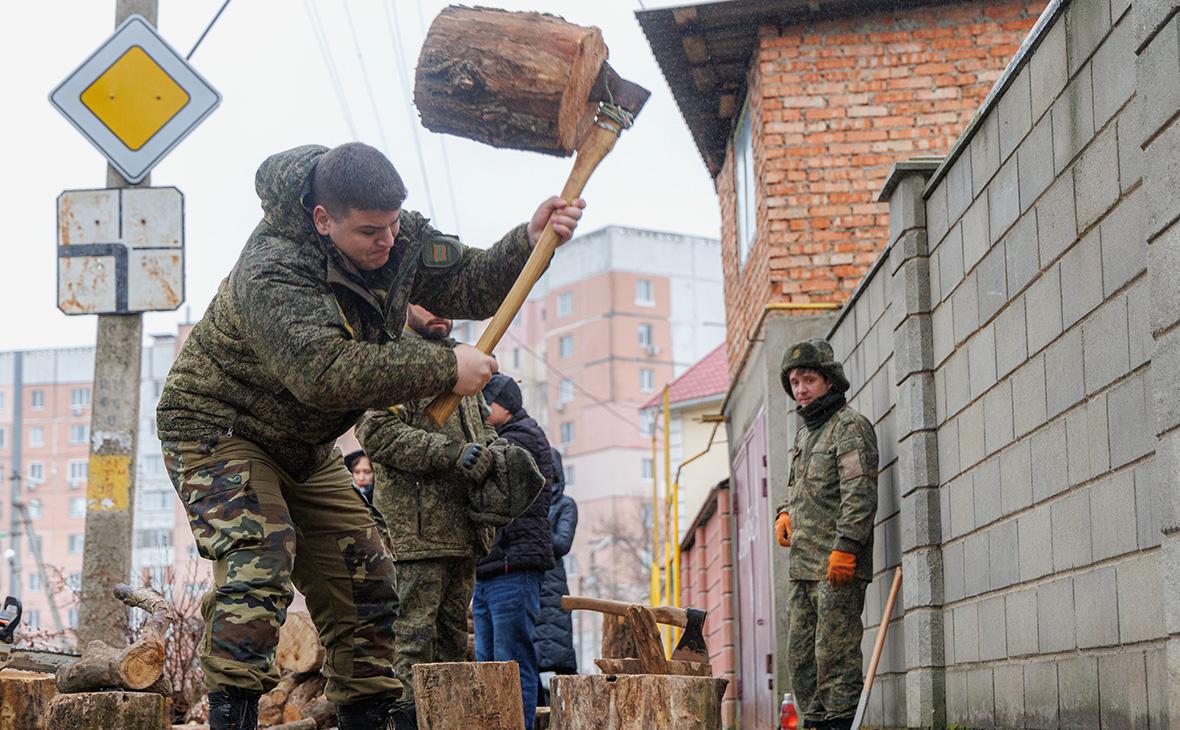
664, 614
597, 144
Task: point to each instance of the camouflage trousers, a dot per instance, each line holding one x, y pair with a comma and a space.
265, 533
432, 621
824, 648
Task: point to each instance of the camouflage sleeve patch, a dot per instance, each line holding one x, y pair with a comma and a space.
850, 465
441, 252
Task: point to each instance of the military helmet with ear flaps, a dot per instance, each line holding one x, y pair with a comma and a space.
813, 354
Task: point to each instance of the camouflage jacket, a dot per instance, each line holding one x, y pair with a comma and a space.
418, 489
297, 343
832, 495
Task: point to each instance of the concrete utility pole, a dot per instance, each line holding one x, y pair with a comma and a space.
18, 408
114, 421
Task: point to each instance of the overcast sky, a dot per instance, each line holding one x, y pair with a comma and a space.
263, 57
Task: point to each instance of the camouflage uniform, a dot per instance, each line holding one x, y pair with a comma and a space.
295, 346
424, 498
832, 503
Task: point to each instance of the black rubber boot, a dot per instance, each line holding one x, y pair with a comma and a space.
371, 714
405, 716
843, 723
233, 709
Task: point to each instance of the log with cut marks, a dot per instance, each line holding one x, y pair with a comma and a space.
136, 667
465, 695
635, 702
270, 705
24, 698
305, 692
516, 80
106, 710
299, 649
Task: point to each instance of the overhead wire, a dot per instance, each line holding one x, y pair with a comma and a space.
321, 40
205, 32
360, 59
442, 143
395, 36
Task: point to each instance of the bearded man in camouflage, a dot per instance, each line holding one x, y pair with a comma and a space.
424, 474
827, 521
301, 338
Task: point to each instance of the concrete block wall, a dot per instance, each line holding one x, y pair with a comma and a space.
1029, 391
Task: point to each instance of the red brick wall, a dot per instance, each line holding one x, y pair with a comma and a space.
833, 105
706, 582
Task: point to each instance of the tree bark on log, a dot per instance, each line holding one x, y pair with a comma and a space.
106, 710
24, 699
299, 649
464, 695
321, 710
516, 80
305, 692
636, 702
136, 667
617, 640
270, 705
650, 649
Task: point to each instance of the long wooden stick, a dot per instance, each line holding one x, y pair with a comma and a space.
878, 646
599, 141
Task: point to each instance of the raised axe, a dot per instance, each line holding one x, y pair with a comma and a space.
526, 81
690, 648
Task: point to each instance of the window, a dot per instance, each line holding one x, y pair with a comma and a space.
565, 391
1, 400
648, 470
36, 436
565, 346
78, 507
565, 304
79, 471
37, 399
647, 422
79, 433
3, 438
73, 617
74, 581
79, 397
743, 173
36, 472
567, 433
647, 380
153, 464
77, 541
35, 582
645, 335
156, 500
643, 295
34, 508
153, 538
571, 473
32, 619
516, 358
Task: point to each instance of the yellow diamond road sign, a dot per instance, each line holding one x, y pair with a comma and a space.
135, 98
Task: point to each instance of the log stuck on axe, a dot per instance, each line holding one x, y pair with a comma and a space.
691, 647
526, 81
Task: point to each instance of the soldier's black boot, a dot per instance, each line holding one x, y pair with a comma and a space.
844, 723
233, 709
405, 716
376, 713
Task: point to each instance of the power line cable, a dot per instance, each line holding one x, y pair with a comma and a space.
321, 40
207, 29
395, 36
360, 59
442, 143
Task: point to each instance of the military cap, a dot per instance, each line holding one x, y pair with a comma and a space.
814, 354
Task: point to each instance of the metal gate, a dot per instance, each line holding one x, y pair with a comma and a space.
751, 509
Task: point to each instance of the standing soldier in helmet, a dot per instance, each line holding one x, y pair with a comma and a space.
827, 521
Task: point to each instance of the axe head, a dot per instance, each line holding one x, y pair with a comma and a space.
691, 647
611, 89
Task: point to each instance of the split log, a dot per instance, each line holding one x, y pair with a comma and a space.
464, 695
270, 705
617, 640
299, 649
650, 649
305, 692
136, 667
635, 702
321, 710
515, 80
303, 724
634, 666
24, 699
106, 710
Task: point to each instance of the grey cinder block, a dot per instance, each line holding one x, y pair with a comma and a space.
1130, 427
1077, 686
1087, 21
1122, 686
962, 505
1113, 85
1049, 68
1016, 477
1021, 622
1015, 114
997, 415
1011, 338
1158, 685
984, 149
958, 188
1064, 384
985, 480
1035, 159
1124, 245
975, 563
1139, 322
1055, 616
950, 261
1071, 531
1073, 120
952, 572
1040, 694
976, 231
958, 382
971, 436
1009, 683
1130, 154
1141, 609
981, 703
942, 332
1004, 555
1049, 468
993, 643
992, 282
936, 214
948, 454
1003, 200
1029, 396
1096, 608
1157, 73
981, 354
1095, 188
1161, 180
1081, 279
1105, 344
1112, 516
1163, 272
1022, 257
967, 633
1056, 219
1035, 538
1043, 303
966, 309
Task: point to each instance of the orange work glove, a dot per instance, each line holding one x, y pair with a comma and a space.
841, 566
782, 529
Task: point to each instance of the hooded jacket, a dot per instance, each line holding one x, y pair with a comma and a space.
555, 627
524, 543
298, 343
418, 489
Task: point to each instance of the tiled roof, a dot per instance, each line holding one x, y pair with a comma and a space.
708, 376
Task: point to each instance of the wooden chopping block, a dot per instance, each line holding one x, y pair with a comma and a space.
106, 710
635, 702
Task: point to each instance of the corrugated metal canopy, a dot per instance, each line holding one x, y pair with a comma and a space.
704, 52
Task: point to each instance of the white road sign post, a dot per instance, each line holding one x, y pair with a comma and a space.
135, 98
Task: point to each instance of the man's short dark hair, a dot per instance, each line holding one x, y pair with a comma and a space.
355, 176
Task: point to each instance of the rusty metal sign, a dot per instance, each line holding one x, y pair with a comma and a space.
120, 250
135, 98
